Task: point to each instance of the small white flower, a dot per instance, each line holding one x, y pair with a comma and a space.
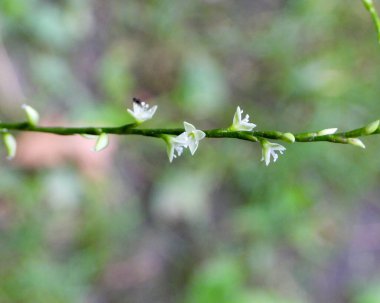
269, 149
240, 124
141, 111
175, 145
191, 137
31, 114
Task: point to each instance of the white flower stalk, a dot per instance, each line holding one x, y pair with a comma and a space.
269, 150
240, 124
356, 142
191, 136
327, 131
10, 144
31, 114
141, 111
175, 145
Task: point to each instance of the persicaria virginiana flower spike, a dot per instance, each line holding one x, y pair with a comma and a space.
241, 128
141, 111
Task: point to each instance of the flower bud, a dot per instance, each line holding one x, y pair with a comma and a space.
372, 127
101, 142
327, 131
356, 142
288, 137
31, 114
10, 144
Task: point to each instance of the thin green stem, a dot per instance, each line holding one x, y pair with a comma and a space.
370, 7
130, 129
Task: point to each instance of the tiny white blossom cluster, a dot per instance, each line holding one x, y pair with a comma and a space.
268, 149
175, 144
188, 139
191, 136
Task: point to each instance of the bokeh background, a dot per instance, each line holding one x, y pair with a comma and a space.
125, 225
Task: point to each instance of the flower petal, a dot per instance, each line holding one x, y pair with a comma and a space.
193, 145
199, 135
170, 151
189, 127
152, 111
182, 139
237, 117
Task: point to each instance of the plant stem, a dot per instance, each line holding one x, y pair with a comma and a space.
130, 129
370, 7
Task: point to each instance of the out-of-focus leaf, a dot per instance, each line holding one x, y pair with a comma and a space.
202, 87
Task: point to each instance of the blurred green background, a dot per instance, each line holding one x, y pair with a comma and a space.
125, 225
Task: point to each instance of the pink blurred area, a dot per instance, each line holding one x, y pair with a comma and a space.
38, 151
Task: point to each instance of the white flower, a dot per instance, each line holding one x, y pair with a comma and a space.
269, 149
141, 111
191, 137
241, 124
175, 145
31, 114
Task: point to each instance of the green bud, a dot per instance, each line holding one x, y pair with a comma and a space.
31, 114
356, 142
10, 144
101, 142
288, 137
372, 127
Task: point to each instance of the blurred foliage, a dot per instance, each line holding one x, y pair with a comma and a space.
128, 226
